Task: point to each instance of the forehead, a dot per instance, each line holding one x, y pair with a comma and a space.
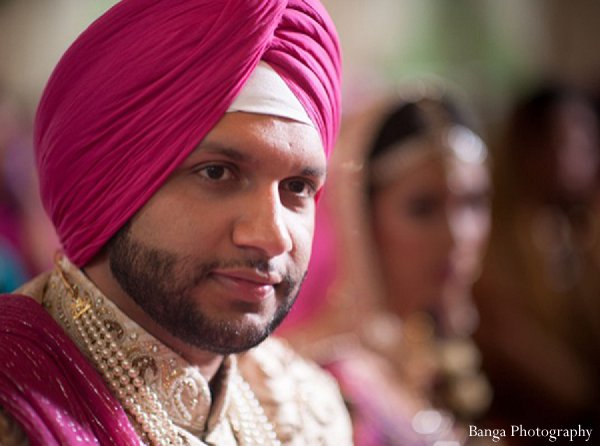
265, 138
443, 170
466, 176
422, 175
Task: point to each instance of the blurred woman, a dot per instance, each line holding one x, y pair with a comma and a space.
428, 201
540, 287
398, 342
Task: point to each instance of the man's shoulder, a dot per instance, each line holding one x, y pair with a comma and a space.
16, 308
26, 326
28, 296
35, 287
302, 399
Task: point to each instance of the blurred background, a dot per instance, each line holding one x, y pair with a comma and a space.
494, 57
489, 48
491, 51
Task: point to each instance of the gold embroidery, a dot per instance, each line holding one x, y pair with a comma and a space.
79, 307
156, 386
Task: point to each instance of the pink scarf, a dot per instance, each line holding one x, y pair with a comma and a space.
49, 387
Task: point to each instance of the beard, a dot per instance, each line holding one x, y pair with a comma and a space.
161, 284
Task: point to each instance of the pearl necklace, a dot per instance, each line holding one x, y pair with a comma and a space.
248, 420
123, 378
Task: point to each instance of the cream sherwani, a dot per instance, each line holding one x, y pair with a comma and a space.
268, 395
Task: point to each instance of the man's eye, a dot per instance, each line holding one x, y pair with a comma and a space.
216, 172
300, 187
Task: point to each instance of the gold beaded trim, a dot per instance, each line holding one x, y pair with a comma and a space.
124, 379
248, 420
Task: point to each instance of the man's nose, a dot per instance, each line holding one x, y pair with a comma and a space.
262, 226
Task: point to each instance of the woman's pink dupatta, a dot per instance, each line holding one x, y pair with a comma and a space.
49, 387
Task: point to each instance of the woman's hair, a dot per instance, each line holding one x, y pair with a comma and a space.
531, 119
418, 129
410, 119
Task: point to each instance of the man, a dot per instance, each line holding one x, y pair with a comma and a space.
181, 146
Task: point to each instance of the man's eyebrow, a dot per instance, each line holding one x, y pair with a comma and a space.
237, 155
315, 172
229, 152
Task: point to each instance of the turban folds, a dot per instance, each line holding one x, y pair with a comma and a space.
141, 87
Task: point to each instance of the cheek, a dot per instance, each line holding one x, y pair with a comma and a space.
470, 248
396, 230
180, 225
403, 243
301, 229
470, 227
396, 236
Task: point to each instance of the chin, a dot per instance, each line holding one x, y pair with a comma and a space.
235, 338
225, 333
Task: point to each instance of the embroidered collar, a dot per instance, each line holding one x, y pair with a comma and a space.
181, 389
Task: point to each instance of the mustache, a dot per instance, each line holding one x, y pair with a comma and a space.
183, 273
201, 272
262, 265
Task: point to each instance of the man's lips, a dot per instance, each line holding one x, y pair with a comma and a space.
246, 284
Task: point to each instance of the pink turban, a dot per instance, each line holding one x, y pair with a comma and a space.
143, 85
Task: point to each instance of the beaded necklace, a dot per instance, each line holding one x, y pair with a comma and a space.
248, 420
